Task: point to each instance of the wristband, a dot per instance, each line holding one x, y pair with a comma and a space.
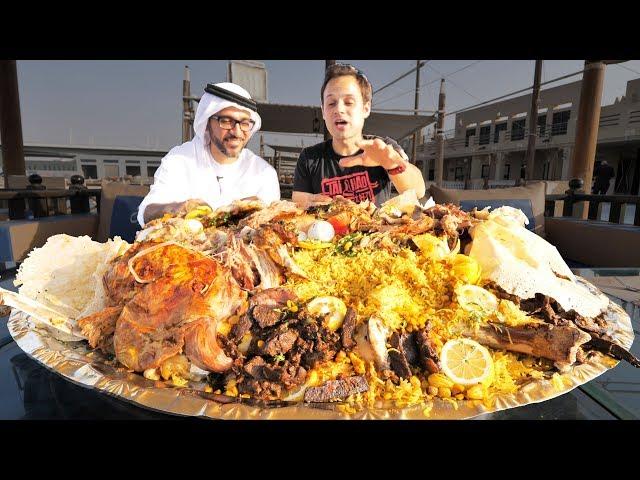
397, 170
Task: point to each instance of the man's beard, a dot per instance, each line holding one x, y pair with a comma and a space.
219, 144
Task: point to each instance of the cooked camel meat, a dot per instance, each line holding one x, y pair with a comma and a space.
280, 343
143, 341
267, 306
336, 389
100, 327
262, 217
254, 367
261, 389
557, 343
241, 263
546, 308
267, 270
266, 316
243, 206
272, 297
595, 325
500, 293
612, 349
427, 355
202, 348
253, 268
273, 239
179, 296
402, 354
289, 375
423, 225
239, 330
348, 328
208, 293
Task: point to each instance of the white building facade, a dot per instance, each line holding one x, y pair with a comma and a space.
490, 142
93, 163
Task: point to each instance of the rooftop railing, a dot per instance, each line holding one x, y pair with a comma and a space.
504, 138
565, 204
36, 202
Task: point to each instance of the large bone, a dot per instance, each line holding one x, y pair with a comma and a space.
613, 349
557, 343
63, 327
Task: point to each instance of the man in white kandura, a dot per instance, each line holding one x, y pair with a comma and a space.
214, 168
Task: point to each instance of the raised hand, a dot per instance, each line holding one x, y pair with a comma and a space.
376, 153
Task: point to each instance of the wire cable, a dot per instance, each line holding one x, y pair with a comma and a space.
454, 84
626, 68
420, 65
429, 83
516, 92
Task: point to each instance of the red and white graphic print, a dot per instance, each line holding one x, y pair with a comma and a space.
356, 187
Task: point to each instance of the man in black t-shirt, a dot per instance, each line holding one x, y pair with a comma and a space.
318, 171
356, 167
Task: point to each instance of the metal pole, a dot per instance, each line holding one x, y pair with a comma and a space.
327, 135
530, 157
10, 122
439, 161
587, 124
416, 102
186, 105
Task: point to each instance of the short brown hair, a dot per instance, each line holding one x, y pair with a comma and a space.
341, 70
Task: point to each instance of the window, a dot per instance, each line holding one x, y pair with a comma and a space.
111, 170
485, 171
151, 170
133, 170
432, 174
517, 129
542, 124
507, 171
470, 133
500, 127
90, 171
560, 122
485, 135
459, 174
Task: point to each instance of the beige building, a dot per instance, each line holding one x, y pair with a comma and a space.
491, 141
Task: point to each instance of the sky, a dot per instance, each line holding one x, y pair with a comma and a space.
138, 103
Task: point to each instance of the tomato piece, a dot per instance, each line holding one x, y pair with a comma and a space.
340, 223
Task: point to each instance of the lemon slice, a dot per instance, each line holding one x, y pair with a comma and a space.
199, 211
465, 268
332, 308
476, 299
465, 361
431, 246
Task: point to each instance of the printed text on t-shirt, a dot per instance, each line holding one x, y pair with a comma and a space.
356, 187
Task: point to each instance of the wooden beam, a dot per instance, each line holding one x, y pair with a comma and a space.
10, 123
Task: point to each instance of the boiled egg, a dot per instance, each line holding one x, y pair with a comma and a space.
321, 231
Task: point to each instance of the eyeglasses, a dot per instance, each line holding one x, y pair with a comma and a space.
228, 123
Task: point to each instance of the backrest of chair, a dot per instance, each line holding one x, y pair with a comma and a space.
530, 199
119, 204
